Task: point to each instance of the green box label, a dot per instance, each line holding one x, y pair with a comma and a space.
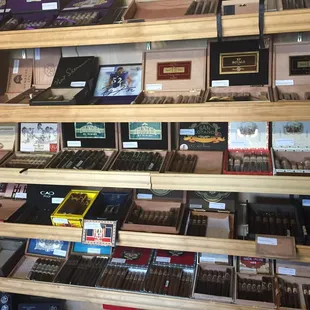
89, 130
145, 131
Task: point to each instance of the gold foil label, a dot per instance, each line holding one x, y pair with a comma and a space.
300, 65
239, 63
180, 70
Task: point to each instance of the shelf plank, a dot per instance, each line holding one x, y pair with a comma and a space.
218, 112
201, 27
117, 298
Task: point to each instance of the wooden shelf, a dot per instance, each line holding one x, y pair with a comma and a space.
218, 112
203, 27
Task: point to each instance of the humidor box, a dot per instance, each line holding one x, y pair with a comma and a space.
254, 265
25, 6
11, 252
141, 11
173, 76
88, 145
291, 148
239, 71
288, 268
35, 147
248, 149
72, 84
38, 253
7, 140
72, 210
291, 69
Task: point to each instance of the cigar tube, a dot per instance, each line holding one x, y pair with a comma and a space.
106, 281
150, 283
186, 163
188, 285
296, 296
180, 163
270, 290
126, 281
75, 158
306, 295
168, 290
115, 275
162, 281
177, 282
182, 285
136, 281
135, 277
218, 288
158, 280
226, 284
192, 165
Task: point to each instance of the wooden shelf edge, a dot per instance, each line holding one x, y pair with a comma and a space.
216, 111
117, 298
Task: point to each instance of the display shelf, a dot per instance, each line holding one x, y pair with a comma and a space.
217, 111
167, 30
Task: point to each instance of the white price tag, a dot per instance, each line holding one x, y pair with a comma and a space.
57, 200
130, 145
118, 260
92, 225
154, 86
60, 252
160, 259
60, 221
93, 250
78, 84
195, 206
284, 82
305, 202
7, 10
287, 271
21, 195
268, 241
74, 144
207, 259
15, 66
187, 132
49, 6
217, 205
220, 83
237, 144
284, 142
37, 54
145, 196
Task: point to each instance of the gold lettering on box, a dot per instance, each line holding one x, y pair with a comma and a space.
239, 63
180, 70
300, 65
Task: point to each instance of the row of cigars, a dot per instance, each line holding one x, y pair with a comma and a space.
250, 148
225, 72
16, 15
242, 280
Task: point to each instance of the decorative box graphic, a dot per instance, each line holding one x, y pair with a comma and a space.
180, 70
90, 130
145, 131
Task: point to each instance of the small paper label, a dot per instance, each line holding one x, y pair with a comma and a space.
57, 200
237, 144
207, 259
92, 225
219, 83
93, 250
287, 271
60, 252
306, 202
161, 259
284, 82
217, 205
195, 206
78, 84
37, 54
268, 241
118, 260
74, 144
21, 195
145, 196
6, 11
130, 145
154, 87
187, 132
60, 221
15, 66
49, 6
284, 142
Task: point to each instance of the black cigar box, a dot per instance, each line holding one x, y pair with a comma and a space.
11, 252
303, 204
26, 302
88, 145
72, 84
25, 6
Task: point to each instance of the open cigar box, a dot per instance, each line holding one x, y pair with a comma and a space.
254, 265
143, 146
140, 11
291, 148
8, 207
7, 140
87, 146
239, 71
248, 149
84, 264
173, 76
42, 260
36, 145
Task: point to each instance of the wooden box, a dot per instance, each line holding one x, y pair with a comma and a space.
7, 140
254, 265
9, 207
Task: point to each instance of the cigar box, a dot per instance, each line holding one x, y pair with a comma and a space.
291, 148
288, 268
8, 207
239, 71
261, 294
295, 4
72, 83
73, 208
15, 191
11, 252
141, 11
26, 96
173, 76
254, 265
36, 145
31, 264
303, 203
88, 145
248, 149
291, 69
7, 140
42, 200
84, 264
25, 6
175, 258
117, 84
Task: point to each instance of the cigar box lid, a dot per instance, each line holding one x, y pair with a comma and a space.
254, 265
214, 258
39, 137
49, 248
9, 207
19, 6
291, 135
178, 258
205, 136
16, 191
248, 135
284, 267
175, 70
131, 256
212, 201
239, 63
160, 194
88, 4
7, 136
20, 75
90, 135
75, 72
80, 248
